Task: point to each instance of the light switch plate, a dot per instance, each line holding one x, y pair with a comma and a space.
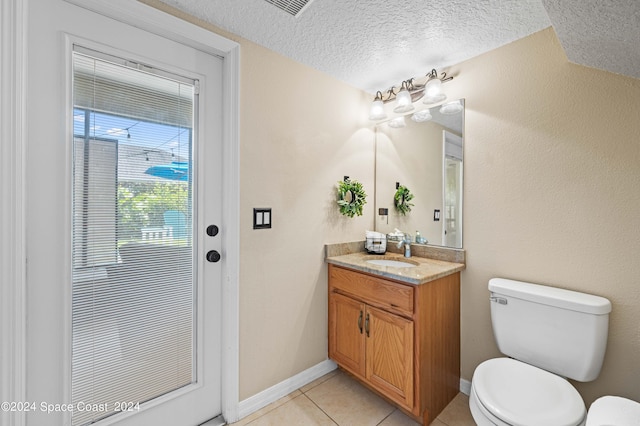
261, 218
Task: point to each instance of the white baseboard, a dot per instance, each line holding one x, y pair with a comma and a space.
277, 391
465, 386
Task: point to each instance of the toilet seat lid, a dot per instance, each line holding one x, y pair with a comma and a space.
520, 394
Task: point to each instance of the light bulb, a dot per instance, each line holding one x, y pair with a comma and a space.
433, 92
377, 111
403, 102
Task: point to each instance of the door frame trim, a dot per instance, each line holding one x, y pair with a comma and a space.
13, 133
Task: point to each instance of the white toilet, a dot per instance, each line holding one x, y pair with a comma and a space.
613, 410
549, 334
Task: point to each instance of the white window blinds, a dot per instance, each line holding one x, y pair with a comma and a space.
133, 304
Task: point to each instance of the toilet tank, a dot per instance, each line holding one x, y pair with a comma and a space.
561, 331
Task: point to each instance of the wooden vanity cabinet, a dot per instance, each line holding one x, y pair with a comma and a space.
399, 339
374, 345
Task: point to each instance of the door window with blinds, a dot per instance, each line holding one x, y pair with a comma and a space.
134, 294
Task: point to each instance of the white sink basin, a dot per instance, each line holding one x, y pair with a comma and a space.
389, 262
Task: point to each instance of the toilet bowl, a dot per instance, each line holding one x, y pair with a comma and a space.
549, 335
613, 410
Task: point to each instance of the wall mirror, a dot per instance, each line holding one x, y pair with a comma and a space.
426, 157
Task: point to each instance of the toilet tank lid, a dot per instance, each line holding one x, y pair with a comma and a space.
552, 296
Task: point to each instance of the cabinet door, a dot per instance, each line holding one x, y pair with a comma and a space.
389, 361
346, 333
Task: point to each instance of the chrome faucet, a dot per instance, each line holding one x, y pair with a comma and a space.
406, 241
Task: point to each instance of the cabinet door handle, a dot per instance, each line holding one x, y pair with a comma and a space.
366, 325
360, 322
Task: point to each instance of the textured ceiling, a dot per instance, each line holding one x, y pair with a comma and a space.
602, 34
375, 44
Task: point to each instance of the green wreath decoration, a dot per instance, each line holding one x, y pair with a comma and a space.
402, 200
351, 197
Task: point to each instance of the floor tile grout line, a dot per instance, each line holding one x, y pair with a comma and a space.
271, 407
327, 414
300, 392
315, 385
314, 403
320, 408
386, 417
335, 421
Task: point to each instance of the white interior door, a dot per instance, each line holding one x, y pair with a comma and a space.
124, 309
452, 189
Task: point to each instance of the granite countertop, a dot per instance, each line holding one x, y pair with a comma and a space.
424, 271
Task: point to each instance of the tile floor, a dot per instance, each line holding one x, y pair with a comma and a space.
337, 399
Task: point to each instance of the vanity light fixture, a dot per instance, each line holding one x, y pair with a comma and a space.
410, 92
403, 99
434, 93
421, 116
451, 108
433, 87
377, 108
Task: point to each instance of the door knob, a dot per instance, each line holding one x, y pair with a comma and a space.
212, 230
213, 256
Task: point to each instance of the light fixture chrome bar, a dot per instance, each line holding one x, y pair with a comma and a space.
429, 89
415, 89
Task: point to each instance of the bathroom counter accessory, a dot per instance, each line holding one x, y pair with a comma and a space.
423, 270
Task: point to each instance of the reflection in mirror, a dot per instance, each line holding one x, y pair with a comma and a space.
348, 196
427, 158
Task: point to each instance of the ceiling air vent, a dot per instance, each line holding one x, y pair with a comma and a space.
292, 7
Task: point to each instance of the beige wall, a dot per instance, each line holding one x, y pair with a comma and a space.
552, 178
300, 134
552, 192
